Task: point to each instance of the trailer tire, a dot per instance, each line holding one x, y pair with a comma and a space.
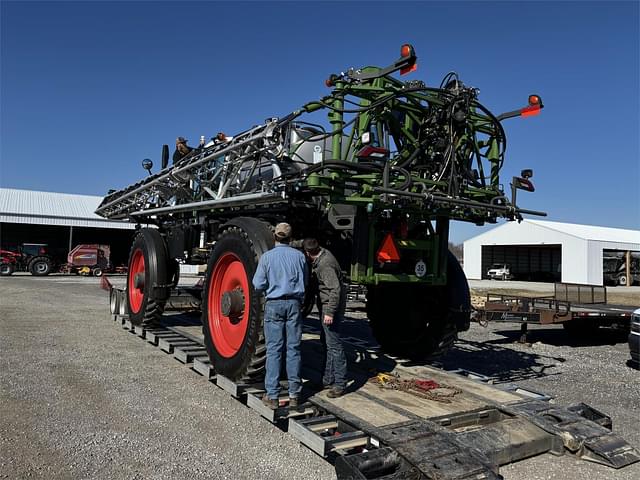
235, 343
6, 269
420, 321
147, 289
96, 272
114, 301
40, 266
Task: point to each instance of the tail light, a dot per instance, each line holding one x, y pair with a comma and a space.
369, 151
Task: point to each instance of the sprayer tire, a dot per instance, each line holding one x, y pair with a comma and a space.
148, 258
236, 344
417, 322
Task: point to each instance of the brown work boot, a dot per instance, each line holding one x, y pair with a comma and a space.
335, 392
270, 402
293, 402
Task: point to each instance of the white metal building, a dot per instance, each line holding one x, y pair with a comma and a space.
548, 250
61, 220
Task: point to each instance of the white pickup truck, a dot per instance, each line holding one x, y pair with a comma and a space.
500, 271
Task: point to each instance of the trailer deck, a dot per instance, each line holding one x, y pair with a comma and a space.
386, 426
574, 305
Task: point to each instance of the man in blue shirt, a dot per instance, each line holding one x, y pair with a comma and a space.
281, 274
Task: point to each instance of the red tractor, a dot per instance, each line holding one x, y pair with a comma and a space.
29, 257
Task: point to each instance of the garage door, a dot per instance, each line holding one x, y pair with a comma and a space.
536, 263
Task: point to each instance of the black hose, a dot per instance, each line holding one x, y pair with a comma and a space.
363, 167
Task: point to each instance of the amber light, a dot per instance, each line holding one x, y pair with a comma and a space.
406, 50
534, 100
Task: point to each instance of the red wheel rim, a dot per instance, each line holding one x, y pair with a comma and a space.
227, 335
136, 295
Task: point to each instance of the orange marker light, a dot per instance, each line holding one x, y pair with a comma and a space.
406, 50
388, 252
534, 100
530, 111
409, 69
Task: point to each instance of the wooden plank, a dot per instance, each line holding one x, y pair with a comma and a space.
236, 390
168, 344
481, 390
309, 438
189, 354
140, 330
155, 337
363, 408
203, 367
346, 441
283, 412
422, 407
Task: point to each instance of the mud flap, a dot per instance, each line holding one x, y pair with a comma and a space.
584, 431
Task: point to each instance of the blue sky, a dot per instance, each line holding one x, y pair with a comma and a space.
89, 89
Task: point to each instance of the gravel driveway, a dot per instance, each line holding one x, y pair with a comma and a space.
82, 400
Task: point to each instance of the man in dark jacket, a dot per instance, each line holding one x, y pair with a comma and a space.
182, 149
333, 299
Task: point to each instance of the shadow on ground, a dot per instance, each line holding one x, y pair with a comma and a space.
562, 338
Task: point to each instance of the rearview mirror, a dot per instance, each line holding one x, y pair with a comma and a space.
147, 164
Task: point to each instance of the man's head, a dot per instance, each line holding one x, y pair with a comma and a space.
283, 233
311, 247
221, 137
181, 141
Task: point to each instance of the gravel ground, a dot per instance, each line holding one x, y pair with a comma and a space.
81, 399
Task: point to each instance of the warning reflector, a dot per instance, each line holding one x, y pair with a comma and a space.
388, 252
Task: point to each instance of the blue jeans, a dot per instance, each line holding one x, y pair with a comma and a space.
282, 320
335, 369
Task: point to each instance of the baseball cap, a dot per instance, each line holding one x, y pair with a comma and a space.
283, 230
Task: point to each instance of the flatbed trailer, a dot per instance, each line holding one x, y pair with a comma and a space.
577, 307
388, 426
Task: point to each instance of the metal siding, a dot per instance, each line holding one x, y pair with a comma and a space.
592, 232
574, 261
472, 260
48, 208
594, 263
65, 222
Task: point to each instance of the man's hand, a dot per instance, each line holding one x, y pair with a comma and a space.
328, 320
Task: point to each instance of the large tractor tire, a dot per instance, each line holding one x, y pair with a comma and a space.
147, 277
232, 310
416, 322
6, 269
40, 266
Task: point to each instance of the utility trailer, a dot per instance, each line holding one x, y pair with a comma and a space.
401, 421
377, 181
581, 309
